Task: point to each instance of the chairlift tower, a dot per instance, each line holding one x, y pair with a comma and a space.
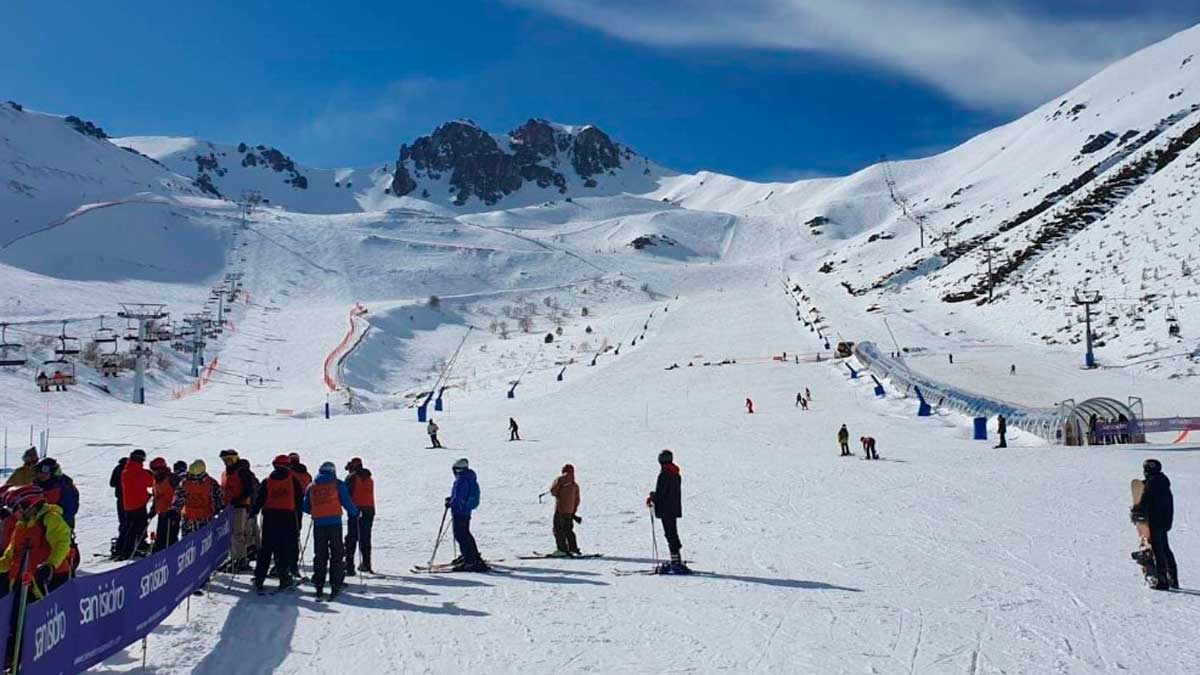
1087, 299
199, 324
914, 216
144, 314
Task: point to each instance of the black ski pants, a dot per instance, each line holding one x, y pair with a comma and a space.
1164, 557
167, 530
671, 532
279, 529
133, 531
564, 532
466, 540
433, 441
358, 536
328, 555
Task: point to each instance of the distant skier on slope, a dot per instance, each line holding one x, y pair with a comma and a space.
807, 394
514, 432
463, 499
799, 398
325, 500
1002, 430
432, 430
566, 503
749, 405
1158, 507
667, 502
868, 445
843, 437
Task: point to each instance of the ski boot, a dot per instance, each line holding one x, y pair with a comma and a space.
576, 552
366, 567
320, 593
559, 554
258, 586
349, 569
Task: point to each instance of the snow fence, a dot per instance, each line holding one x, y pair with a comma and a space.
1046, 423
95, 616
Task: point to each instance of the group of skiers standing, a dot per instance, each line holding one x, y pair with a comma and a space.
38, 505
185, 497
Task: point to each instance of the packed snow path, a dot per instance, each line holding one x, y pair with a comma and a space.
947, 556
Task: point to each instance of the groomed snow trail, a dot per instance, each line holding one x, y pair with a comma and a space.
947, 557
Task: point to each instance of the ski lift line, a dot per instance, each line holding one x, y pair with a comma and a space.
445, 374
529, 365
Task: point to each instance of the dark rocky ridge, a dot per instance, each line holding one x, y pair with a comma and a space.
479, 167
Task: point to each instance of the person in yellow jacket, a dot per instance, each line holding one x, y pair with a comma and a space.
42, 531
23, 475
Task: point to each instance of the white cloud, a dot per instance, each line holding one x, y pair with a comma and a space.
983, 55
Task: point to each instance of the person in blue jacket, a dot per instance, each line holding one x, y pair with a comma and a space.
325, 500
463, 499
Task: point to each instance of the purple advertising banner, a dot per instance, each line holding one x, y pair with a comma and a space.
95, 616
1149, 426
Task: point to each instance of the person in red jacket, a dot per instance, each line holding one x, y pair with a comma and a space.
136, 484
280, 499
166, 483
239, 486
358, 527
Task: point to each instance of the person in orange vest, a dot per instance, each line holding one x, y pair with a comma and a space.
324, 501
239, 487
166, 484
41, 530
301, 472
279, 500
136, 484
198, 499
358, 527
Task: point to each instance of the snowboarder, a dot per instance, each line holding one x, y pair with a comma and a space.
40, 529
667, 502
749, 405
136, 484
463, 499
843, 437
1002, 430
165, 486
325, 500
566, 502
1158, 507
513, 430
358, 527
432, 430
23, 475
279, 499
868, 446
239, 487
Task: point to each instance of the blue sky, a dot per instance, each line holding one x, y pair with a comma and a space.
764, 89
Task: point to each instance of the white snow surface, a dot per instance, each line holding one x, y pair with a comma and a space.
946, 557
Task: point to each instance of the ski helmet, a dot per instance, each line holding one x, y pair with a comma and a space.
1151, 467
569, 468
46, 468
666, 457
328, 469
281, 462
354, 464
460, 466
294, 457
20, 500
158, 464
179, 467
138, 455
198, 468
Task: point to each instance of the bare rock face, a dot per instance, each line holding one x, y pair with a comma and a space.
488, 168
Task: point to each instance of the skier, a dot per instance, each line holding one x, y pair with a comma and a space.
667, 502
324, 501
165, 486
23, 475
804, 404
58, 488
199, 498
513, 430
1002, 430
239, 487
463, 499
114, 482
749, 405
358, 527
799, 398
1158, 505
951, 359
844, 440
868, 445
136, 483
566, 503
279, 500
41, 530
301, 472
432, 430
807, 394
1012, 370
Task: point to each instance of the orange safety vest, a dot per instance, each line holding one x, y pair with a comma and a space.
324, 500
304, 478
231, 487
164, 495
197, 499
362, 492
281, 494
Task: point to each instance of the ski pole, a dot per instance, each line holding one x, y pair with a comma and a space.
440, 534
653, 536
305, 546
542, 495
22, 602
362, 577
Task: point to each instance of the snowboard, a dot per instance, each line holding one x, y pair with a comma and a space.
1144, 556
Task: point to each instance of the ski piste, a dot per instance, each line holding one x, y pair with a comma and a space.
546, 556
